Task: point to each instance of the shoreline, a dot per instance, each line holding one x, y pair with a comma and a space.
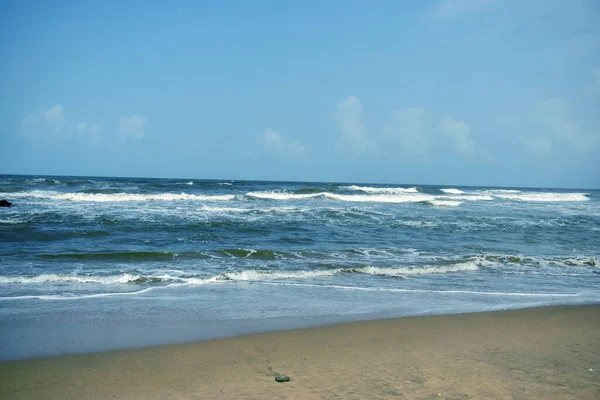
540, 352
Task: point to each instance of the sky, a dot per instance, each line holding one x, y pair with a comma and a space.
463, 92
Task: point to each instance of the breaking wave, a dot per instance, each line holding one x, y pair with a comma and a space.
70, 278
543, 197
445, 203
244, 275
388, 190
381, 198
452, 191
121, 197
275, 195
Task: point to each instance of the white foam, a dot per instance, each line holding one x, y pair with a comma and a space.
42, 180
399, 197
406, 198
121, 197
389, 190
273, 195
570, 262
501, 191
446, 203
444, 292
543, 197
58, 278
452, 191
471, 265
225, 183
283, 210
86, 296
225, 209
473, 197
12, 221
252, 275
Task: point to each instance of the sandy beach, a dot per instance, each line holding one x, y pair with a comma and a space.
537, 353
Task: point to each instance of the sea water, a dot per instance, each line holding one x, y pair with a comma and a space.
90, 264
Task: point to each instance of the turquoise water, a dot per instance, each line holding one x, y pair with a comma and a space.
97, 263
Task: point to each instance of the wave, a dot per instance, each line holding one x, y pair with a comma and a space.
166, 255
12, 221
445, 203
253, 275
445, 292
226, 209
101, 191
543, 197
500, 191
253, 210
472, 265
80, 182
388, 190
131, 256
120, 197
542, 265
309, 190
469, 197
382, 198
452, 191
85, 296
257, 275
436, 263
247, 253
337, 287
43, 180
274, 195
70, 278
244, 275
282, 210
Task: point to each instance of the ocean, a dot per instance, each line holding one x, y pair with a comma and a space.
90, 264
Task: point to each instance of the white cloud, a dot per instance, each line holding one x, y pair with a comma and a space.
44, 121
349, 119
296, 147
409, 127
552, 117
54, 117
51, 124
536, 144
88, 130
460, 132
549, 125
420, 132
273, 141
132, 127
452, 8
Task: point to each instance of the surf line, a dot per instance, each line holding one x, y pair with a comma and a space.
421, 290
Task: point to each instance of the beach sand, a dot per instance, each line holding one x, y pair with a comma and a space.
537, 353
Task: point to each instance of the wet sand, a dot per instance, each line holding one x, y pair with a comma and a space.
537, 353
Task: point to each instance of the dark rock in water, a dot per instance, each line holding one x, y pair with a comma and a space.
5, 203
282, 378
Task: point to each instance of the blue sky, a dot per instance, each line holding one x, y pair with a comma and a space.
472, 92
